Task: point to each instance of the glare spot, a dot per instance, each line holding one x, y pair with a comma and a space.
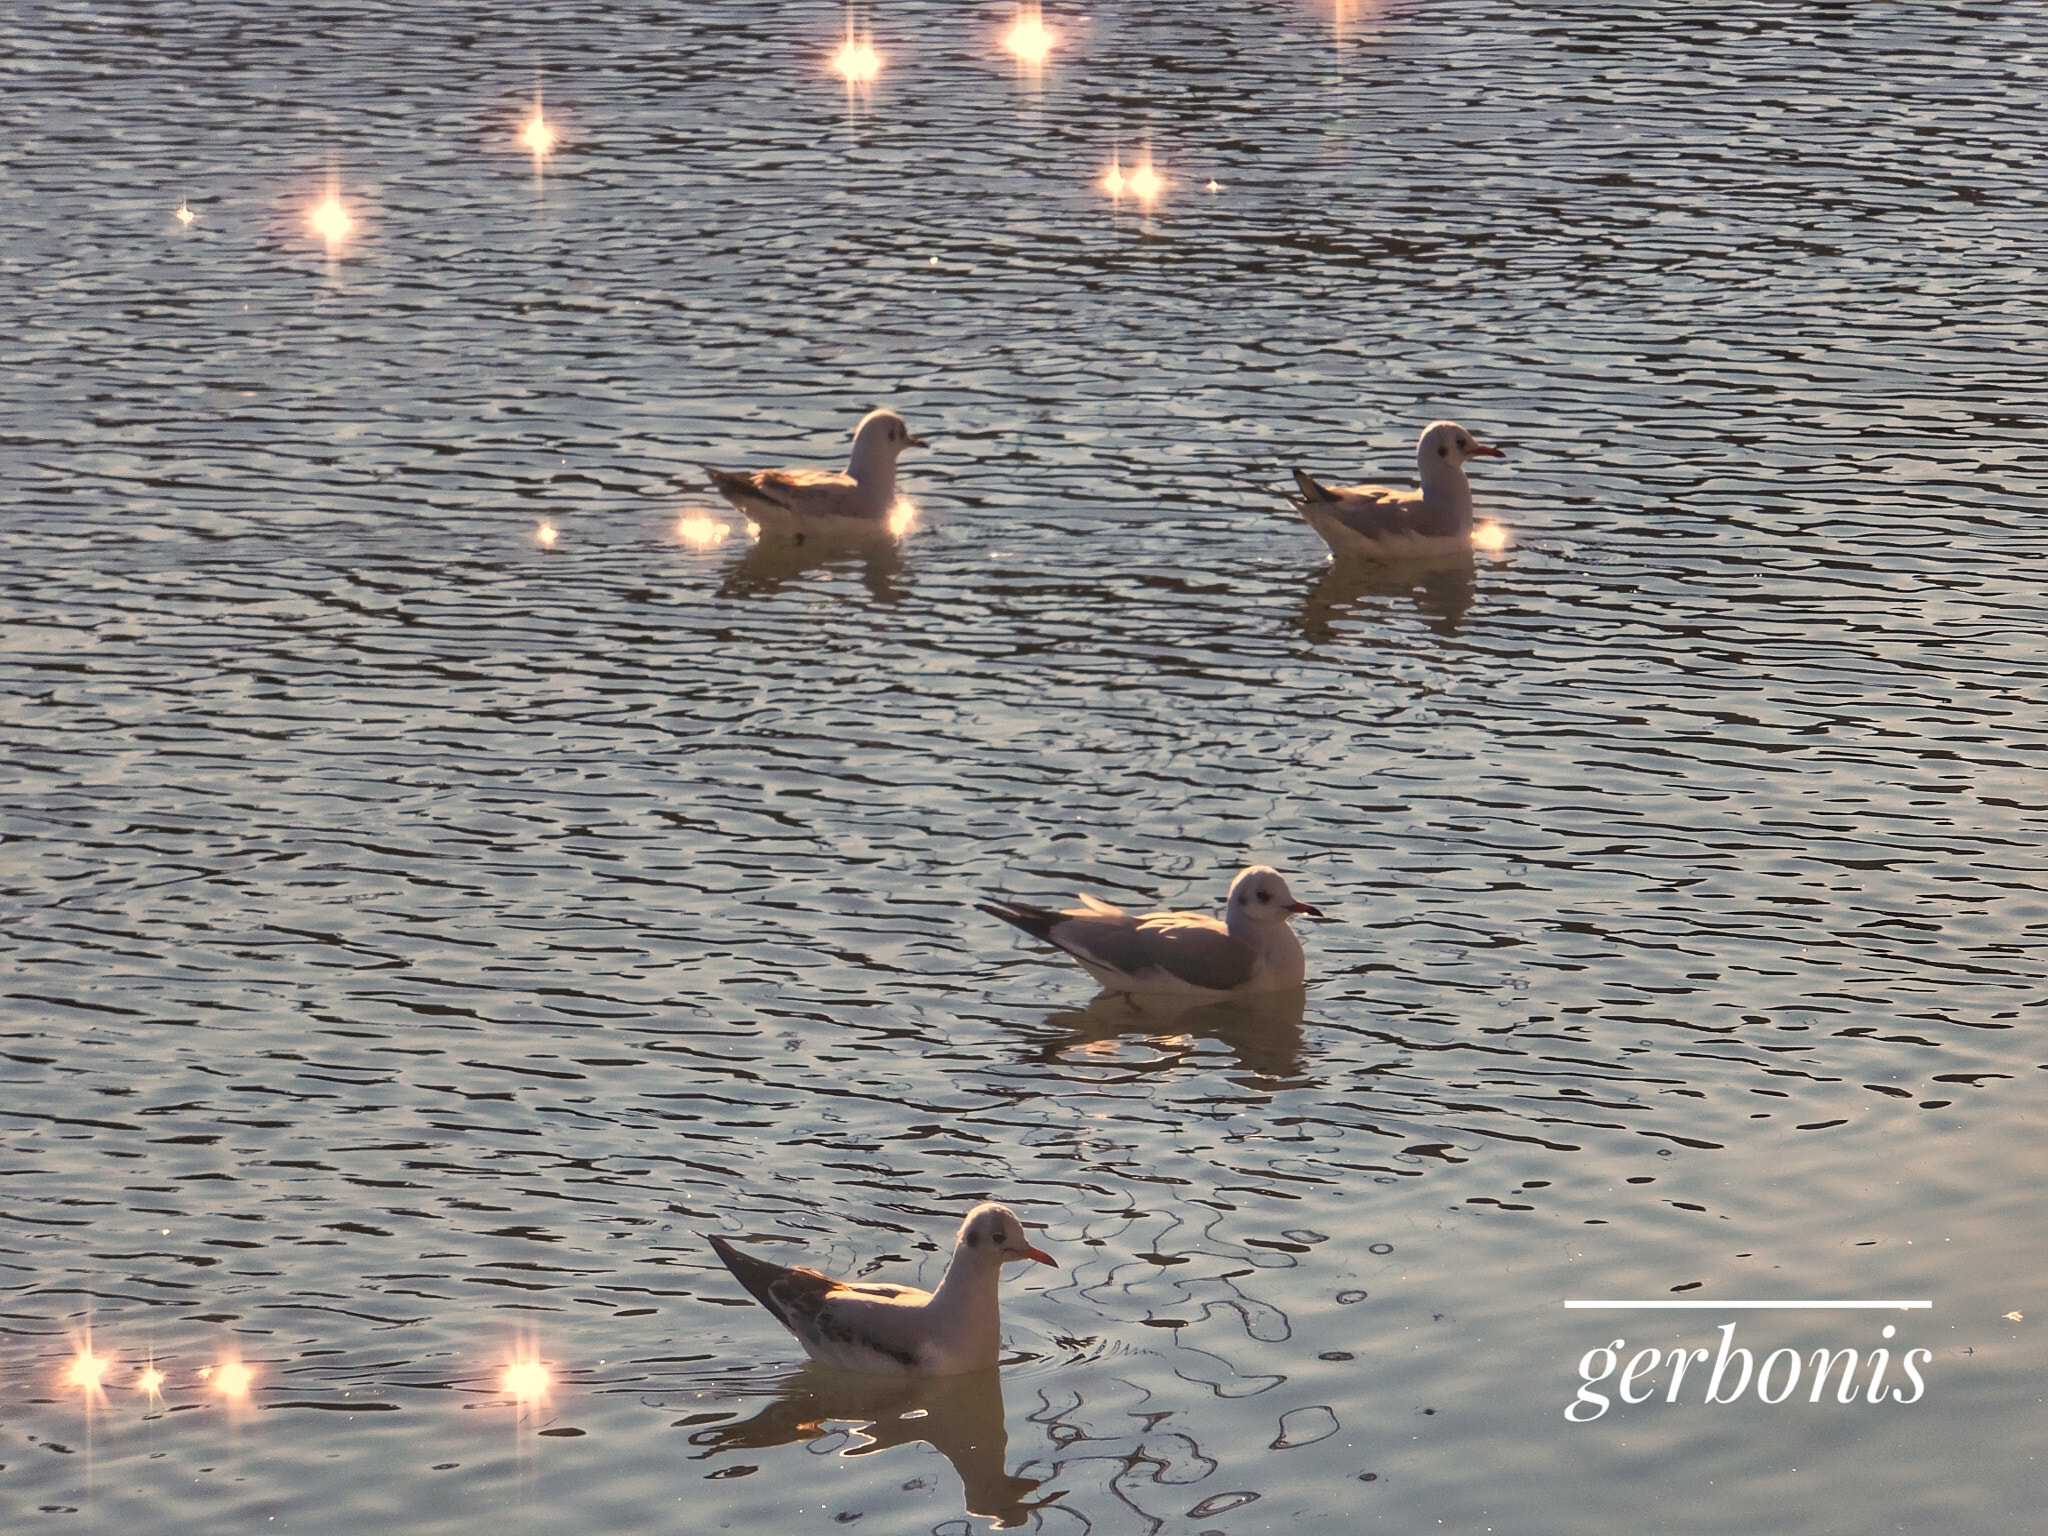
1215, 186
701, 532
185, 215
1145, 183
151, 1380
1030, 41
856, 61
537, 138
546, 535
231, 1380
1490, 537
902, 517
1113, 181
330, 221
525, 1380
86, 1369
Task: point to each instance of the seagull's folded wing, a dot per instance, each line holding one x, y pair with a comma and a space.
1185, 945
811, 492
1373, 511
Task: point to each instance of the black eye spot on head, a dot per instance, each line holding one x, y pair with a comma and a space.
1442, 452
1265, 895
1461, 442
998, 1236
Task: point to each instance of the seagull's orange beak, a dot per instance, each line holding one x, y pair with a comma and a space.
1302, 906
1040, 1255
1479, 451
918, 442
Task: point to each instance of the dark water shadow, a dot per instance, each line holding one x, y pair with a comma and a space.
960, 1417
783, 555
1264, 1033
1443, 591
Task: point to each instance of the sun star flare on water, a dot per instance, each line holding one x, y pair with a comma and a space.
856, 61
537, 138
701, 532
525, 1380
1490, 538
86, 1369
1030, 41
231, 1380
330, 221
545, 535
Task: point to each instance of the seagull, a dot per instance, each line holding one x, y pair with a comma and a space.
1186, 954
1377, 523
862, 496
898, 1330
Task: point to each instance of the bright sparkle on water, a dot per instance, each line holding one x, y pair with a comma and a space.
700, 531
525, 1380
185, 215
537, 137
856, 61
231, 1380
546, 534
1490, 537
330, 220
1029, 39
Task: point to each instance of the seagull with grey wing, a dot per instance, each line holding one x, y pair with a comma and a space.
898, 1330
1181, 954
862, 496
1376, 522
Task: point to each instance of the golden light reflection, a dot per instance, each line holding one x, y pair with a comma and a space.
1030, 41
537, 138
856, 61
753, 530
1215, 186
1113, 181
545, 535
1145, 183
701, 532
184, 214
150, 1380
231, 1380
86, 1369
902, 517
1490, 537
330, 221
525, 1380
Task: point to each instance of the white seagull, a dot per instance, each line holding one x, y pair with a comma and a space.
863, 495
1374, 522
1185, 954
898, 1330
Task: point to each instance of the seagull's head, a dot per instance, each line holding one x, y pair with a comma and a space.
993, 1234
1259, 895
884, 433
1445, 442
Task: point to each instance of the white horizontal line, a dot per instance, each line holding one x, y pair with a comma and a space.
1761, 1306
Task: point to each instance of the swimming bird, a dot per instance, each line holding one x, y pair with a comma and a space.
864, 494
1374, 522
1186, 954
898, 1330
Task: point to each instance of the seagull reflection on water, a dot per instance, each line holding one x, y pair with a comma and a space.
1443, 591
961, 1417
782, 555
1263, 1031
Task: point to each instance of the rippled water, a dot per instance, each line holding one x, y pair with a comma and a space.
415, 937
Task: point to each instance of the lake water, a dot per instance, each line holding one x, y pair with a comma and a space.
417, 937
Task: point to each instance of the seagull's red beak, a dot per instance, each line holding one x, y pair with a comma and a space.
1479, 451
1302, 906
1040, 1255
918, 442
